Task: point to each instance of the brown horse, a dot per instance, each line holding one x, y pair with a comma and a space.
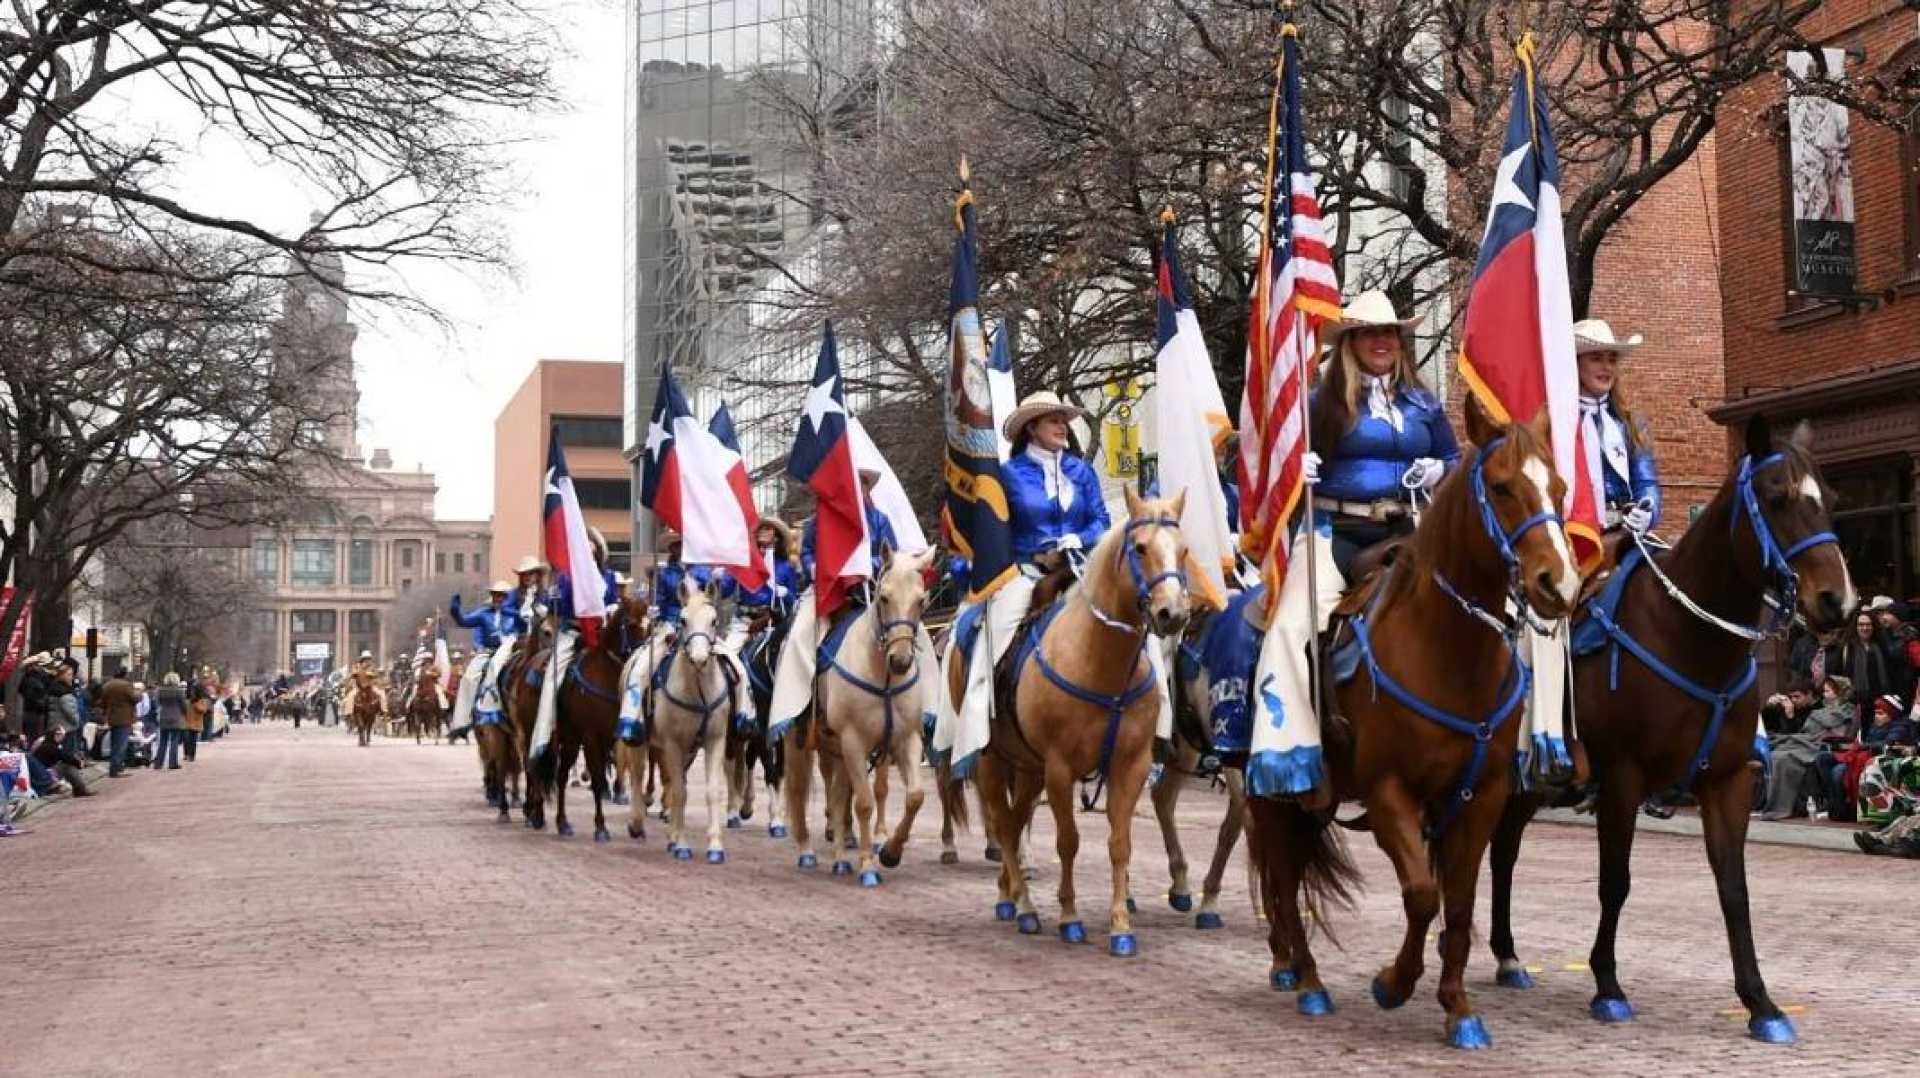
366, 711
424, 713
587, 713
1430, 720
1084, 702
1767, 530
520, 694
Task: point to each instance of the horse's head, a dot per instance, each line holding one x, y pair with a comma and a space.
1791, 541
699, 618
1155, 555
1518, 493
628, 624
899, 599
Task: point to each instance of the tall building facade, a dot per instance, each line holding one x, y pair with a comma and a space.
580, 401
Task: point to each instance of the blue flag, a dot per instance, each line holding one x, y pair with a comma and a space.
976, 513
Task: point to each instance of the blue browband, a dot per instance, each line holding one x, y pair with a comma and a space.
1504, 540
1774, 560
1142, 583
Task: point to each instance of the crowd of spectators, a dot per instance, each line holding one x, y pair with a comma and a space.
64, 724
1842, 736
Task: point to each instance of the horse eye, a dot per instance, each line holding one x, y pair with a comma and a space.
1501, 489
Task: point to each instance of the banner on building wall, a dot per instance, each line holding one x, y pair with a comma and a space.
1120, 430
17, 643
311, 659
1820, 155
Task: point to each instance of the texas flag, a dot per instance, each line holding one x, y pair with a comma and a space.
697, 483
823, 459
567, 547
1516, 350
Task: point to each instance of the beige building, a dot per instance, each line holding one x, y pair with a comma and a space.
580, 399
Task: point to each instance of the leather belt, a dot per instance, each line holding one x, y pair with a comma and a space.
1380, 510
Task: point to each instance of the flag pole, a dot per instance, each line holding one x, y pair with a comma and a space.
960, 202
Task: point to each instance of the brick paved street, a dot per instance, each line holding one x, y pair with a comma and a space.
295, 905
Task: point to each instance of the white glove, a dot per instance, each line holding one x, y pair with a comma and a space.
1638, 519
1069, 541
1425, 474
1311, 465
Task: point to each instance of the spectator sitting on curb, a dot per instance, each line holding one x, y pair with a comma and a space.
54, 754
1795, 753
1783, 713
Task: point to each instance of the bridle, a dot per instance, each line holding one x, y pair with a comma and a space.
1775, 560
1503, 540
1143, 584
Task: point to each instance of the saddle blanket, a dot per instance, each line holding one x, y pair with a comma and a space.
1226, 652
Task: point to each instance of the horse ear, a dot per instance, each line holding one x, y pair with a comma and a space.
688, 586
1802, 437
1542, 427
925, 558
886, 553
1180, 504
1759, 436
1480, 428
1133, 501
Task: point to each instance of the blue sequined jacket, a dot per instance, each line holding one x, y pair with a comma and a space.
1367, 462
1039, 522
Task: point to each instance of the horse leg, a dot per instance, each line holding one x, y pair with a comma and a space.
1223, 843
1027, 788
1166, 798
1723, 815
568, 755
1462, 848
633, 760
995, 803
1615, 816
1519, 811
949, 791
1060, 783
882, 785
673, 789
597, 753
1280, 864
734, 755
716, 753
1397, 816
908, 762
839, 808
853, 761
795, 788
745, 768
1125, 782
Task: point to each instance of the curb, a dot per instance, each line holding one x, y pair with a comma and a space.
1765, 832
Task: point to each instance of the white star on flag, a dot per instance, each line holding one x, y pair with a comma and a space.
820, 403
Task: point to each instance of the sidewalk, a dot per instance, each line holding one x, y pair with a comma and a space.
1807, 834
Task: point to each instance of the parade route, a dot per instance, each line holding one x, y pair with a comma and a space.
292, 904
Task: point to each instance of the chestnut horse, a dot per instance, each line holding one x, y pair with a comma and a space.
424, 713
1679, 705
1084, 702
1427, 727
520, 707
587, 714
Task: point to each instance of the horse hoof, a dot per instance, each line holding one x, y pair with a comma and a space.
949, 857
638, 834
716, 857
1513, 977
1610, 1011
733, 823
809, 861
1208, 919
869, 878
1316, 1003
1073, 932
1775, 1030
887, 860
1283, 980
843, 868
992, 854
1004, 911
852, 843
564, 830
1468, 1033
683, 853
1180, 903
745, 815
1028, 924
1131, 908
1383, 998
1122, 945
602, 835
776, 831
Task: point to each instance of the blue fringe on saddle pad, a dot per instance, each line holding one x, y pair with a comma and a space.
1226, 652
966, 629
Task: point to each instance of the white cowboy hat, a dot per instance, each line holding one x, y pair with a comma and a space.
529, 564
1594, 335
499, 587
1880, 602
1045, 402
1369, 309
366, 655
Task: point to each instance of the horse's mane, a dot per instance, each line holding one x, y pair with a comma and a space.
1449, 516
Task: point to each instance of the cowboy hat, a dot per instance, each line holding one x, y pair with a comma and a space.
366, 655
499, 587
1045, 402
1369, 310
529, 564
1880, 602
1594, 335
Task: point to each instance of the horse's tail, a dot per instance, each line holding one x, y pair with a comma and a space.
1327, 878
953, 795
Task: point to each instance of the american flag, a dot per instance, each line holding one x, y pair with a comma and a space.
1294, 293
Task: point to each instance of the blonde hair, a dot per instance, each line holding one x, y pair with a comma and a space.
1336, 405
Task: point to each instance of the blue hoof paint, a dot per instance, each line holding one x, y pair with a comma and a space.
1028, 923
716, 857
843, 868
733, 823
1283, 980
809, 861
564, 830
852, 843
1469, 1033
603, 835
1208, 919
1073, 932
1517, 977
683, 853
1131, 908
776, 831
1316, 1003
1382, 997
1611, 1011
1004, 911
869, 878
1122, 945
1180, 903
1776, 1030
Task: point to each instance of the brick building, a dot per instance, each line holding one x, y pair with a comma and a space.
1850, 362
582, 400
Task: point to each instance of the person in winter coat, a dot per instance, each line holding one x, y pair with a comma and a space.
199, 702
170, 703
1795, 753
119, 700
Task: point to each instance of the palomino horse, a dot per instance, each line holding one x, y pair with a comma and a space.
424, 713
690, 714
587, 714
1426, 734
1083, 702
1679, 706
868, 709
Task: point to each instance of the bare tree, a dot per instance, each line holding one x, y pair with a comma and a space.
428, 603
189, 589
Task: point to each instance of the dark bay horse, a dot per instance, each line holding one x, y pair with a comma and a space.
1427, 726
424, 713
587, 714
1767, 530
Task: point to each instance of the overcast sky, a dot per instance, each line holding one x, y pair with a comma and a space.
430, 397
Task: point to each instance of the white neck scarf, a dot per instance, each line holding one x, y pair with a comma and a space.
1380, 402
1057, 487
1605, 439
